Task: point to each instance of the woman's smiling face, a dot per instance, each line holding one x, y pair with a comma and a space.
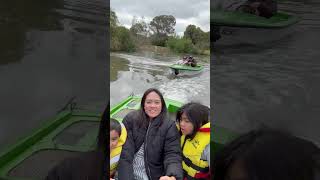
152, 105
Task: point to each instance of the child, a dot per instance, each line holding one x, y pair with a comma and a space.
193, 119
118, 135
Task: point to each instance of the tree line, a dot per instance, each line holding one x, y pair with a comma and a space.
159, 32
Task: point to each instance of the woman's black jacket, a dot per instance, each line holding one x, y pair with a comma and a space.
162, 152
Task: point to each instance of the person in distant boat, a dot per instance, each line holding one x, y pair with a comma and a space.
188, 60
152, 149
267, 154
183, 61
191, 61
118, 136
194, 125
263, 8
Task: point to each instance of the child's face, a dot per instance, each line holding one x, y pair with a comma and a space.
114, 138
186, 125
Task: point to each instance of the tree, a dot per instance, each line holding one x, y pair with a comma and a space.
121, 39
139, 26
163, 24
113, 19
198, 37
159, 40
194, 33
181, 45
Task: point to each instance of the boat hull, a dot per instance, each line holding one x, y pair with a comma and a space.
185, 70
252, 36
243, 28
67, 135
240, 19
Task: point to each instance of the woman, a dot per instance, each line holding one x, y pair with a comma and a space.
118, 136
267, 154
152, 149
91, 165
193, 119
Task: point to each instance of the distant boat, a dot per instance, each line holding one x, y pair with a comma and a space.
185, 69
238, 27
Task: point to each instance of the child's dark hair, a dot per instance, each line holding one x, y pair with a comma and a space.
115, 125
197, 114
268, 154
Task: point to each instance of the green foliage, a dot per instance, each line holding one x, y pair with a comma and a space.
204, 42
139, 27
136, 28
193, 33
181, 45
121, 39
159, 39
194, 41
162, 26
113, 19
199, 38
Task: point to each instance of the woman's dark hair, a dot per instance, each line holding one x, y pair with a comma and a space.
115, 125
197, 113
144, 120
265, 10
103, 135
103, 142
268, 155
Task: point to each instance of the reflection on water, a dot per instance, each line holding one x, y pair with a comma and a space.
11, 47
117, 64
274, 84
140, 71
18, 17
50, 51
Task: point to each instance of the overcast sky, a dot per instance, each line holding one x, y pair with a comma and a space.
186, 12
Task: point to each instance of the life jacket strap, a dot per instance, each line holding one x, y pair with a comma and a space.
189, 163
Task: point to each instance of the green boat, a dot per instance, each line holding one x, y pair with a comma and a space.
239, 19
244, 28
185, 69
70, 133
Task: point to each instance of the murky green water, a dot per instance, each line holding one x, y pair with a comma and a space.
50, 51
